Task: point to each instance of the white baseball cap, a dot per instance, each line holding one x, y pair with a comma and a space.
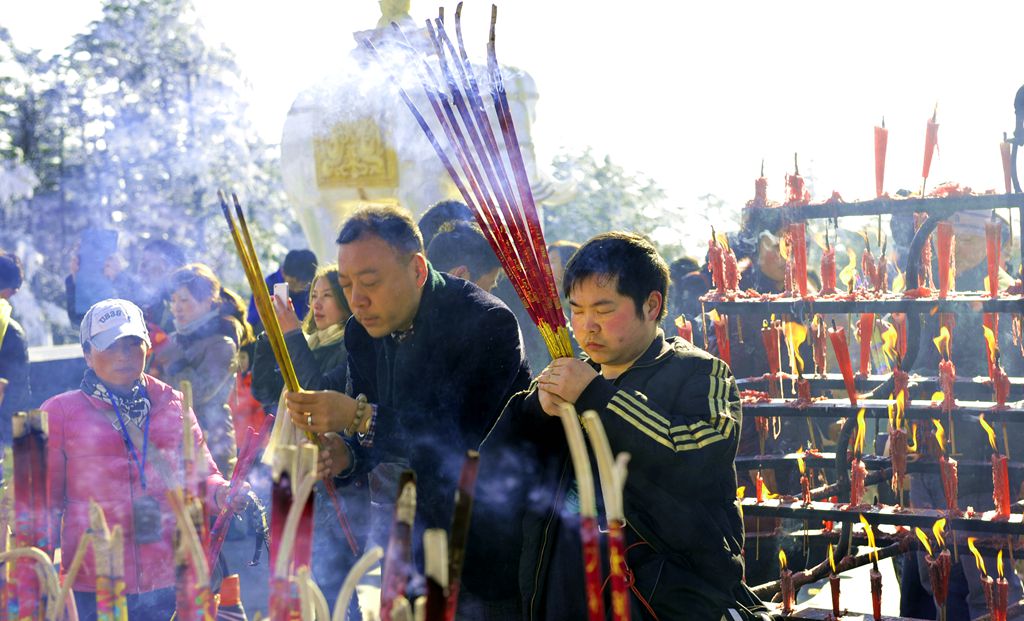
108, 320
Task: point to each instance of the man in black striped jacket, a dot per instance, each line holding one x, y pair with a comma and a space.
672, 406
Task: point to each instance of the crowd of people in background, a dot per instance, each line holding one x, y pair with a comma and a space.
408, 360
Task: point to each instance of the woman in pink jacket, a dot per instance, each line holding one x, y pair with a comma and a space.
94, 454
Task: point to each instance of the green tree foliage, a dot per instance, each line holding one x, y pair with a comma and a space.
134, 127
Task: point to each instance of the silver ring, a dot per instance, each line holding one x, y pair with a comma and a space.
309, 420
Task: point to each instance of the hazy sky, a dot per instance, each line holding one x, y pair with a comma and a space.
691, 94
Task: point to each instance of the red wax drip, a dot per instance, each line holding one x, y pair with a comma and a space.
1002, 591
716, 264
803, 391
770, 338
732, 271
1001, 386
786, 582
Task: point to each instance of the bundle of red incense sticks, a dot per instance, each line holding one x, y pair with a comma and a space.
493, 185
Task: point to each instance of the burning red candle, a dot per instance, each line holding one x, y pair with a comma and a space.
828, 269
837, 336
938, 574
833, 583
993, 252
770, 335
881, 142
722, 336
858, 472
945, 241
803, 391
819, 340
796, 194
876, 592
684, 328
786, 584
898, 452
760, 190
798, 250
899, 321
867, 267
1001, 386
882, 272
865, 329
924, 274
1001, 485
732, 270
716, 258
759, 487
1002, 591
950, 481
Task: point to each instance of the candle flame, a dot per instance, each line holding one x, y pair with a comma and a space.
723, 241
849, 273
990, 431
937, 528
889, 338
912, 446
942, 341
796, 334
977, 555
899, 283
713, 315
800, 461
999, 563
897, 407
924, 539
858, 442
784, 244
741, 491
938, 397
940, 434
831, 560
782, 559
870, 535
990, 340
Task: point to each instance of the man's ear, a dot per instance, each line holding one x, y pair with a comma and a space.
652, 307
460, 271
420, 265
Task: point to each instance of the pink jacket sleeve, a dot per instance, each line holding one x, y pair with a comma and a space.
205, 464
56, 463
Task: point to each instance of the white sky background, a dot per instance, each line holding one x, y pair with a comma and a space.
690, 94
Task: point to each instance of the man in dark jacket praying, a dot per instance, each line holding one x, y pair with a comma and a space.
432, 359
673, 407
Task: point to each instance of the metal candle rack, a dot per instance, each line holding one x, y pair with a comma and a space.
975, 303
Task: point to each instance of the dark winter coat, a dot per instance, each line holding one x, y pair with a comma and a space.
438, 391
13, 368
676, 411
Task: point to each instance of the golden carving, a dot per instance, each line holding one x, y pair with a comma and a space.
355, 155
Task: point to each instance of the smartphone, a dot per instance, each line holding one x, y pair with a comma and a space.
281, 292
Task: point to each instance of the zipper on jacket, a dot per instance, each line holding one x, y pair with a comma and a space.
544, 539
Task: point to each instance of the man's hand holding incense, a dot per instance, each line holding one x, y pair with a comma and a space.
321, 411
563, 381
333, 458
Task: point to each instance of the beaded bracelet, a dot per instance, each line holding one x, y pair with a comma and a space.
362, 409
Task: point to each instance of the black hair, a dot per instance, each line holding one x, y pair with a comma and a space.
631, 259
300, 264
11, 274
462, 243
170, 251
330, 272
682, 266
392, 224
438, 214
